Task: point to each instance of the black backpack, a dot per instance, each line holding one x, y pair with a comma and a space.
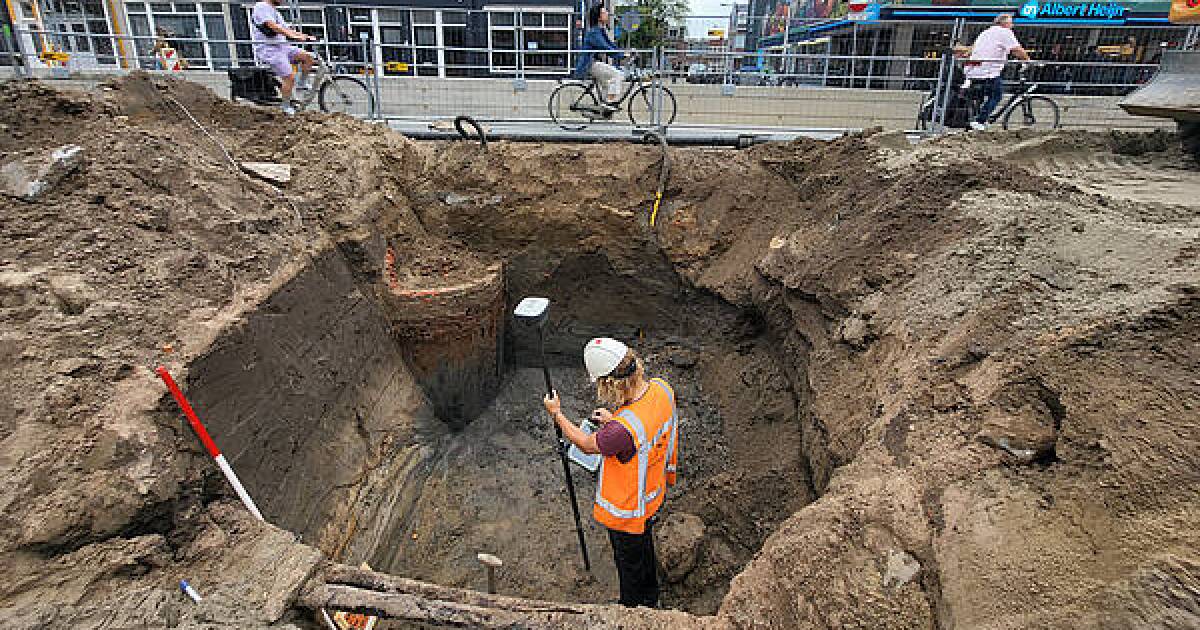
255, 84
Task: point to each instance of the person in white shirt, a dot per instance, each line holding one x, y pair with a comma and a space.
988, 55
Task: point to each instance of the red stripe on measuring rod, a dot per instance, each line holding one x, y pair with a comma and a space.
201, 432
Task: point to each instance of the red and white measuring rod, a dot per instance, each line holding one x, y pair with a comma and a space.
202, 433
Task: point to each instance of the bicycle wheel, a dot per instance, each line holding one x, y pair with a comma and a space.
925, 112
1035, 112
642, 104
565, 102
346, 95
1189, 137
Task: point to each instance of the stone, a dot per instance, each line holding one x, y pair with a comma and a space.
677, 544
854, 332
270, 171
157, 219
30, 177
683, 359
71, 293
456, 199
901, 569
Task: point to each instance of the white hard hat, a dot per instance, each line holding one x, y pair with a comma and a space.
602, 355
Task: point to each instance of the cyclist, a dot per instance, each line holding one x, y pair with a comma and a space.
988, 55
271, 34
593, 63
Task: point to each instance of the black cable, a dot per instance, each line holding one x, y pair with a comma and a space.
458, 125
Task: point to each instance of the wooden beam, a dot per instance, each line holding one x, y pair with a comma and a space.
341, 587
416, 608
340, 574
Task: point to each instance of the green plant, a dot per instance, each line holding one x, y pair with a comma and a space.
656, 19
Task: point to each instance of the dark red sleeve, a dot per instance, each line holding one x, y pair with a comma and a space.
613, 440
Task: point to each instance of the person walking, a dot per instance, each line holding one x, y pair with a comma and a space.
639, 448
988, 56
593, 60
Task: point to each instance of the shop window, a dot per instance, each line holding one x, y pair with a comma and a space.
539, 35
391, 16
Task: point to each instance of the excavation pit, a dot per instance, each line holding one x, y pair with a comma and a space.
979, 351
472, 466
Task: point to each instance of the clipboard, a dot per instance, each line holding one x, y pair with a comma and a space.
588, 462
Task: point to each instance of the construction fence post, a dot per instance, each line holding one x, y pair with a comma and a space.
372, 69
937, 116
14, 53
660, 95
377, 63
946, 86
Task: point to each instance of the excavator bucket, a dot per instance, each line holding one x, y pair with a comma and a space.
1173, 93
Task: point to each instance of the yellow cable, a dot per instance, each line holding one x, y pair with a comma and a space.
654, 214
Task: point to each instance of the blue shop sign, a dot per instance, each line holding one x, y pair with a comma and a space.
1072, 11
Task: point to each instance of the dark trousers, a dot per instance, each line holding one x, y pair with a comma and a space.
637, 567
993, 92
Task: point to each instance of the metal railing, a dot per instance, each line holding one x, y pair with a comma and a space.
811, 90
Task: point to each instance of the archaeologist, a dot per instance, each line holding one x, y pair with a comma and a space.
638, 444
594, 64
271, 34
988, 56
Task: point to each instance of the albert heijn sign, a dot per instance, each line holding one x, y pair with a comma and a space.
1034, 11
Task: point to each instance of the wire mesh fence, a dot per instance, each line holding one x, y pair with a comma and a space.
753, 72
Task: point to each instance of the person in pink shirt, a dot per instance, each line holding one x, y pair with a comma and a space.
988, 56
271, 35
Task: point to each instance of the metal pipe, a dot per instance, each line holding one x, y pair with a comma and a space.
739, 141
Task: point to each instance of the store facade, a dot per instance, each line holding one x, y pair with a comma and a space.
1066, 35
470, 38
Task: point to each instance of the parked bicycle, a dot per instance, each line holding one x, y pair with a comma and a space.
575, 104
1023, 110
332, 92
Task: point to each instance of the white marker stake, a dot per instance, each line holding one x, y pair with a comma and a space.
209, 445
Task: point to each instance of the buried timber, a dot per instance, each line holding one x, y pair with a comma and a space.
932, 386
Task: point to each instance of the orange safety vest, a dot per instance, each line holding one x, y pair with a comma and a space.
628, 494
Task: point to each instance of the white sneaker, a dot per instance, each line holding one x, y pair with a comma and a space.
287, 109
978, 126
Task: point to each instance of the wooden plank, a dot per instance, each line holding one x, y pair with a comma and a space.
417, 608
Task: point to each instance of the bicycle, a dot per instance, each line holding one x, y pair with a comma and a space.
1036, 111
333, 92
575, 103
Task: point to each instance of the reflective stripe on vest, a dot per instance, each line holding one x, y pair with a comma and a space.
631, 517
635, 427
674, 426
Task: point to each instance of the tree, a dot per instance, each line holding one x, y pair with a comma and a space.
656, 19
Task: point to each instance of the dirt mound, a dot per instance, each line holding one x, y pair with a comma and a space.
140, 257
945, 385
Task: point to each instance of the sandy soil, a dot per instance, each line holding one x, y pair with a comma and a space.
950, 385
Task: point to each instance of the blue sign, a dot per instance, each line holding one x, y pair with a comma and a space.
1052, 11
869, 13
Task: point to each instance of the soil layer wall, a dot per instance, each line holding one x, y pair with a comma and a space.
315, 407
450, 335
